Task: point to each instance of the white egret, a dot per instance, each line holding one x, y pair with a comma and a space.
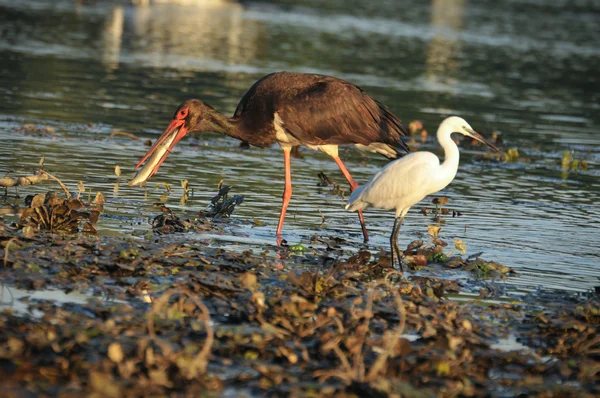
406, 181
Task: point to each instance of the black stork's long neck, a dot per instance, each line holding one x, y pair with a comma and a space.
218, 123
255, 131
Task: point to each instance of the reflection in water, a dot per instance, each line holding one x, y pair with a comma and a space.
169, 35
111, 38
442, 61
181, 2
19, 301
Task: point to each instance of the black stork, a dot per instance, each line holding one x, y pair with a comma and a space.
320, 112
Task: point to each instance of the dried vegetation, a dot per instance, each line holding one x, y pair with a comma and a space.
181, 318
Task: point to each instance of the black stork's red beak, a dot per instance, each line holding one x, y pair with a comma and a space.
157, 154
175, 129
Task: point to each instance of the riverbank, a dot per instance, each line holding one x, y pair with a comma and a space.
155, 318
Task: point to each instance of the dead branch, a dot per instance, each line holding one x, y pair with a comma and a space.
391, 338
40, 175
200, 362
6, 248
59, 182
123, 133
356, 371
8, 182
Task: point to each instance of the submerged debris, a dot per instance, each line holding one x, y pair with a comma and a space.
415, 126
37, 176
439, 208
570, 162
168, 223
50, 212
325, 181
511, 155
419, 255
36, 130
115, 133
13, 181
221, 206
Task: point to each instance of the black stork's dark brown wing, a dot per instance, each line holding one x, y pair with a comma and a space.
319, 110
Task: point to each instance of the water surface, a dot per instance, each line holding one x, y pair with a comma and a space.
515, 69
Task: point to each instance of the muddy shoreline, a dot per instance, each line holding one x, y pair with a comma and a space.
180, 318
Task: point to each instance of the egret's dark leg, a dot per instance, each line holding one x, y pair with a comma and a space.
353, 186
392, 245
394, 242
287, 191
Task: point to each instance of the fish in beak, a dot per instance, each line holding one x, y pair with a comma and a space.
159, 151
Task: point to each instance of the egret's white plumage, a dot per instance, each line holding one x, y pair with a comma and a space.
406, 181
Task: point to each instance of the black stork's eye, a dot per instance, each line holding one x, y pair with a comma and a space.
182, 113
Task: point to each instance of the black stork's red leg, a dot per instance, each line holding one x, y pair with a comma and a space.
353, 186
287, 191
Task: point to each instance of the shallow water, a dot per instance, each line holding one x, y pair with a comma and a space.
18, 301
87, 70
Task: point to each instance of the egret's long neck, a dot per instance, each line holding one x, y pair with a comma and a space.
451, 156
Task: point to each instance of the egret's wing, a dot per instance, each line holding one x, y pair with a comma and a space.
403, 178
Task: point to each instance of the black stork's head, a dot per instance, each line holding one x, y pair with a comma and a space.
192, 115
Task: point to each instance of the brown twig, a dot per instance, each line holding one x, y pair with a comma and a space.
390, 338
322, 219
200, 362
128, 135
356, 371
392, 273
11, 240
347, 374
59, 182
